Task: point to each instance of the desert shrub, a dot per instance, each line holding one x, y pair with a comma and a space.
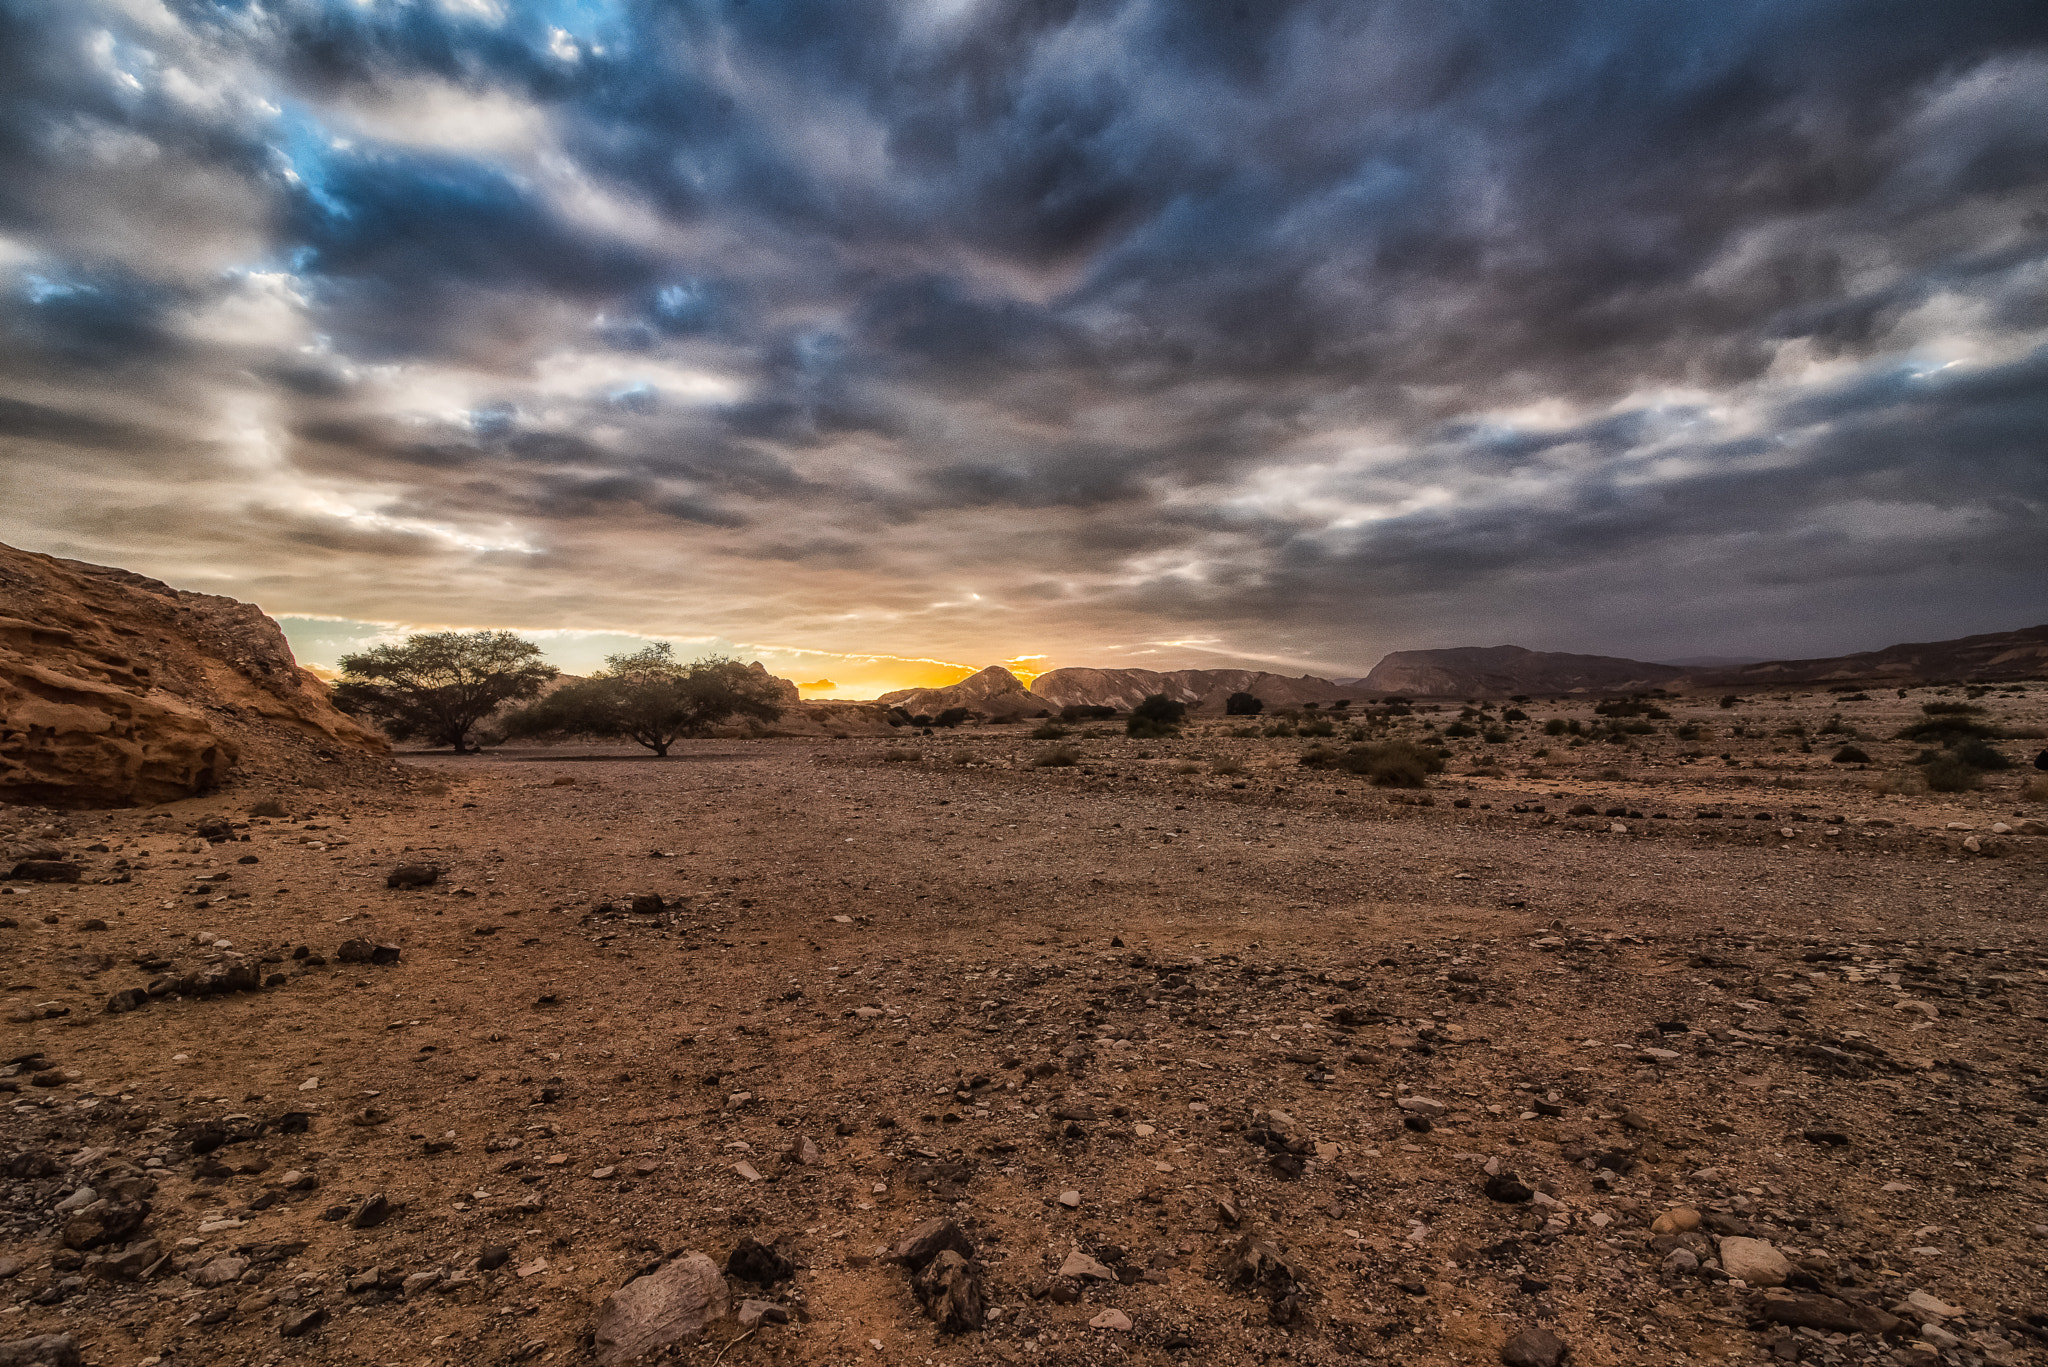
1610, 776
1730, 701
1497, 738
902, 756
1049, 731
1514, 714
1394, 763
1950, 709
1487, 771
1084, 712
269, 806
966, 757
1584, 809
1059, 757
1980, 755
1242, 705
950, 718
1693, 731
1156, 718
1460, 730
1948, 774
1833, 726
1279, 730
1187, 766
1554, 727
1227, 768
1849, 754
1948, 731
2034, 790
1323, 727
1244, 732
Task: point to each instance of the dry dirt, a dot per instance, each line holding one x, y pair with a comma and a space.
977, 986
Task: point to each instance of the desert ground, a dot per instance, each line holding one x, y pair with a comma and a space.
1304, 1070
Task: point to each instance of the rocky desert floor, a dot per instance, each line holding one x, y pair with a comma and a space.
1240, 1066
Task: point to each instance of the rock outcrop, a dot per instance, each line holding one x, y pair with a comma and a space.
116, 689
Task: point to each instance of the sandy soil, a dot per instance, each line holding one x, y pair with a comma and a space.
977, 986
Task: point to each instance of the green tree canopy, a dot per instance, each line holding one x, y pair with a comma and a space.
650, 698
440, 684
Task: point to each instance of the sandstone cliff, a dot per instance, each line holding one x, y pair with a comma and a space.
116, 689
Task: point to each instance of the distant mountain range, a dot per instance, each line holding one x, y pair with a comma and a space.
1476, 671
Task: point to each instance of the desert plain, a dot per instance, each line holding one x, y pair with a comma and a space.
1190, 1052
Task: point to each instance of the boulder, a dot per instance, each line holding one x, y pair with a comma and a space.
668, 1306
44, 1350
1755, 1261
949, 1288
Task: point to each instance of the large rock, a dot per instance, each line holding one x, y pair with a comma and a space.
669, 1306
116, 689
1755, 1261
44, 1350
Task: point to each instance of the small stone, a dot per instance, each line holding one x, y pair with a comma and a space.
1677, 1220
1079, 1264
413, 876
926, 1241
753, 1261
1110, 1319
1507, 1188
748, 1171
532, 1269
1755, 1261
1925, 1307
1422, 1106
303, 1322
370, 1212
753, 1314
949, 1288
1534, 1348
493, 1257
218, 1272
1070, 1199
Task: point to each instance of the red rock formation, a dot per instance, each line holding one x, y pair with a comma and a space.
116, 689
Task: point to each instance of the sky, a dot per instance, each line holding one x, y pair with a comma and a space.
882, 341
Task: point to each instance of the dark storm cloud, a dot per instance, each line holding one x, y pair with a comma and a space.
1290, 316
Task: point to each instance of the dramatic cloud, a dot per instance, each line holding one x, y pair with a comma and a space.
909, 336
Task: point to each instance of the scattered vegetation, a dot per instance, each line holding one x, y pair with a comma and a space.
1059, 757
1049, 731
440, 685
1849, 754
1242, 705
650, 698
902, 756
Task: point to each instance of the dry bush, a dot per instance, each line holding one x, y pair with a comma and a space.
966, 757
269, 806
1187, 766
1059, 757
902, 756
2034, 790
1227, 768
1898, 783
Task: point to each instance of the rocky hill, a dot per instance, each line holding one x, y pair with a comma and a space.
116, 689
1198, 688
994, 692
1997, 655
1494, 671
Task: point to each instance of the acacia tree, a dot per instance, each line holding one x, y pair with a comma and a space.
650, 698
440, 684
